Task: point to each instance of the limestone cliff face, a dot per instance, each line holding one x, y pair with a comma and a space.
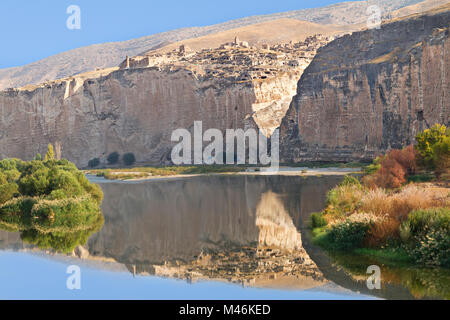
136, 107
374, 90
126, 111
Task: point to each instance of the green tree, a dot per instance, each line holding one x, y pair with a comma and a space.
94, 163
426, 142
38, 157
50, 155
129, 159
441, 157
113, 158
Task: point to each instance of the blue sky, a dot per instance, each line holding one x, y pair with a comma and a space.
35, 29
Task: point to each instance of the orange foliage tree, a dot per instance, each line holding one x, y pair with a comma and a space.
395, 167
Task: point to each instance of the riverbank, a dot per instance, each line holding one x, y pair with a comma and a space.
152, 173
410, 224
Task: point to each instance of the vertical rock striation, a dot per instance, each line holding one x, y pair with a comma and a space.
136, 107
371, 91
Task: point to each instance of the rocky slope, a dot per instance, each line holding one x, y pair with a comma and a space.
136, 107
371, 91
111, 54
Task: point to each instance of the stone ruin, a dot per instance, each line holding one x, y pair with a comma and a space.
234, 61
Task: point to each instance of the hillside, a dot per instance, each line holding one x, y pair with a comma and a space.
271, 32
111, 54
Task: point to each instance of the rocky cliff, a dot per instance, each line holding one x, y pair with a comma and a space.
136, 107
371, 91
110, 54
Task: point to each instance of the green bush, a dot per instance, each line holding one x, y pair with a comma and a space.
51, 203
7, 191
373, 167
441, 157
36, 183
113, 158
318, 220
429, 236
94, 163
11, 164
129, 159
65, 181
426, 142
57, 195
432, 248
420, 178
344, 199
351, 181
434, 218
348, 235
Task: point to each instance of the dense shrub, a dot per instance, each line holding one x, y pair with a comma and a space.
50, 202
94, 163
129, 159
373, 167
64, 181
426, 142
433, 218
113, 158
35, 184
350, 181
348, 235
344, 199
318, 220
11, 164
393, 169
426, 234
7, 191
433, 248
441, 157
382, 232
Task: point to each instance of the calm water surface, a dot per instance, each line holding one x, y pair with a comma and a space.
211, 237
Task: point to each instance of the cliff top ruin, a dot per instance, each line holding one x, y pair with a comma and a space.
235, 61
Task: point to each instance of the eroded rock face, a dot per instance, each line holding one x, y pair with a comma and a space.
374, 90
135, 108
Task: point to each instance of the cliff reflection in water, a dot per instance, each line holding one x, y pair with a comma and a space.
236, 228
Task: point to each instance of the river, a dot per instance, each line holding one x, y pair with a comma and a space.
208, 237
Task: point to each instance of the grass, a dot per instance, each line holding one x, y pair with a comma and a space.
144, 172
164, 171
386, 255
425, 177
324, 165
